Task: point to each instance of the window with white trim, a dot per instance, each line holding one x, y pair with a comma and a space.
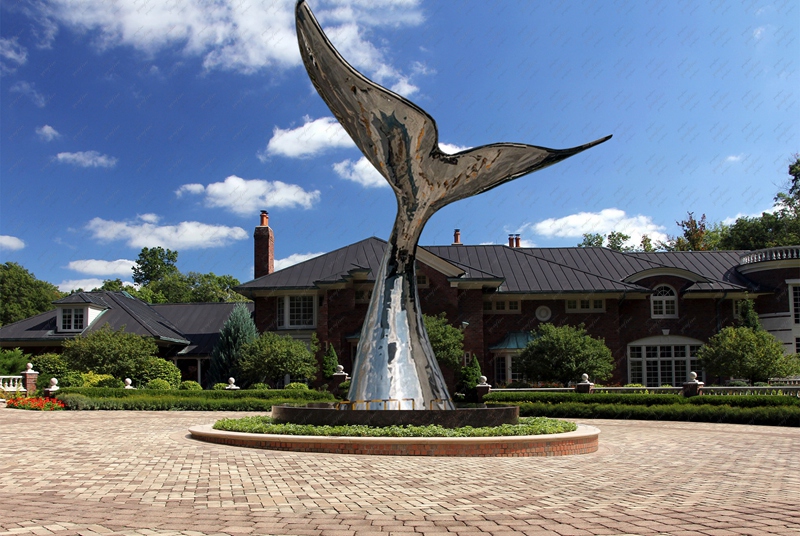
501, 307
296, 312
666, 364
73, 319
796, 304
586, 305
664, 302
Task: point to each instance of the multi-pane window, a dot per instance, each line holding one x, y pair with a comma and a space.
664, 303
585, 306
796, 303
513, 306
296, 312
501, 306
669, 364
422, 280
72, 319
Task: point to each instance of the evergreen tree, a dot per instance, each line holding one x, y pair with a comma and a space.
330, 361
237, 331
471, 373
750, 316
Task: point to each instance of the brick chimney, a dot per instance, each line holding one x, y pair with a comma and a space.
457, 237
264, 242
516, 241
511, 240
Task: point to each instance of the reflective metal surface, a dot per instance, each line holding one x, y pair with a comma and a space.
394, 359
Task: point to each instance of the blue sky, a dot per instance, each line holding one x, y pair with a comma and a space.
143, 123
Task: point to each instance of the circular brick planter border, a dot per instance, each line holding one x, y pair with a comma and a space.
582, 441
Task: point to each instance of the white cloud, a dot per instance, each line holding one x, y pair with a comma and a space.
12, 54
758, 33
28, 89
121, 267
603, 222
229, 34
11, 242
362, 172
245, 197
75, 284
47, 133
295, 258
314, 137
449, 148
87, 159
185, 235
193, 188
149, 217
734, 158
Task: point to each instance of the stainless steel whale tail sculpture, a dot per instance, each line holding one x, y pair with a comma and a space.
395, 361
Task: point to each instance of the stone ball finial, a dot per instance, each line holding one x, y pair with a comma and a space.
232, 384
53, 382
29, 367
128, 383
482, 380
584, 378
693, 376
339, 369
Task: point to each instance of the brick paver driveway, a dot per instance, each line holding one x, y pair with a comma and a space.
138, 473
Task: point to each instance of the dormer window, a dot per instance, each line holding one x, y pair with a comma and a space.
73, 319
664, 303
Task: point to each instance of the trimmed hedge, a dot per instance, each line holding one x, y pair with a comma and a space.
94, 398
265, 425
291, 394
635, 399
777, 415
170, 402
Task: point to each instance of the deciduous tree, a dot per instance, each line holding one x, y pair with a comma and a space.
106, 351
154, 264
447, 341
742, 352
563, 354
22, 295
271, 357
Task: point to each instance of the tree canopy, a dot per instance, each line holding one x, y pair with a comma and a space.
105, 351
22, 295
154, 264
563, 354
447, 341
271, 357
743, 352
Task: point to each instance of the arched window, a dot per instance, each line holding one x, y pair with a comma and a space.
664, 303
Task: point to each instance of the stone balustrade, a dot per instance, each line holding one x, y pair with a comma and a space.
12, 384
770, 254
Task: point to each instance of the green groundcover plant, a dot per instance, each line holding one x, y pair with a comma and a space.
265, 425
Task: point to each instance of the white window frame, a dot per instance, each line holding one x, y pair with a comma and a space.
284, 311
666, 360
663, 300
794, 303
585, 305
501, 307
72, 312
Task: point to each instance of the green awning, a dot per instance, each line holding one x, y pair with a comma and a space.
514, 340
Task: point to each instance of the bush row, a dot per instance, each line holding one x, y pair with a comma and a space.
151, 402
635, 399
764, 415
270, 394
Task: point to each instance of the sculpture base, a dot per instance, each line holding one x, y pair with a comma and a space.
458, 418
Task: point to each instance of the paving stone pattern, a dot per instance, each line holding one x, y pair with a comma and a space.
136, 473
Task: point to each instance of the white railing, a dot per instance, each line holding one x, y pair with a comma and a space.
12, 384
776, 390
788, 390
770, 254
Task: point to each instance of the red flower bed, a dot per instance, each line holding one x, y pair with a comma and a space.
38, 404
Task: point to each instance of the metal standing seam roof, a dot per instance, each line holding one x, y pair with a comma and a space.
200, 323
523, 270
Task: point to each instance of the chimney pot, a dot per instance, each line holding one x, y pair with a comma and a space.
264, 218
516, 241
457, 237
511, 240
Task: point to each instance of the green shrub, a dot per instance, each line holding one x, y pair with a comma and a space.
13, 361
71, 378
171, 401
92, 379
634, 385
156, 368
52, 366
296, 385
111, 382
220, 386
259, 386
738, 383
297, 395
159, 384
625, 399
190, 386
344, 387
519, 385
265, 425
